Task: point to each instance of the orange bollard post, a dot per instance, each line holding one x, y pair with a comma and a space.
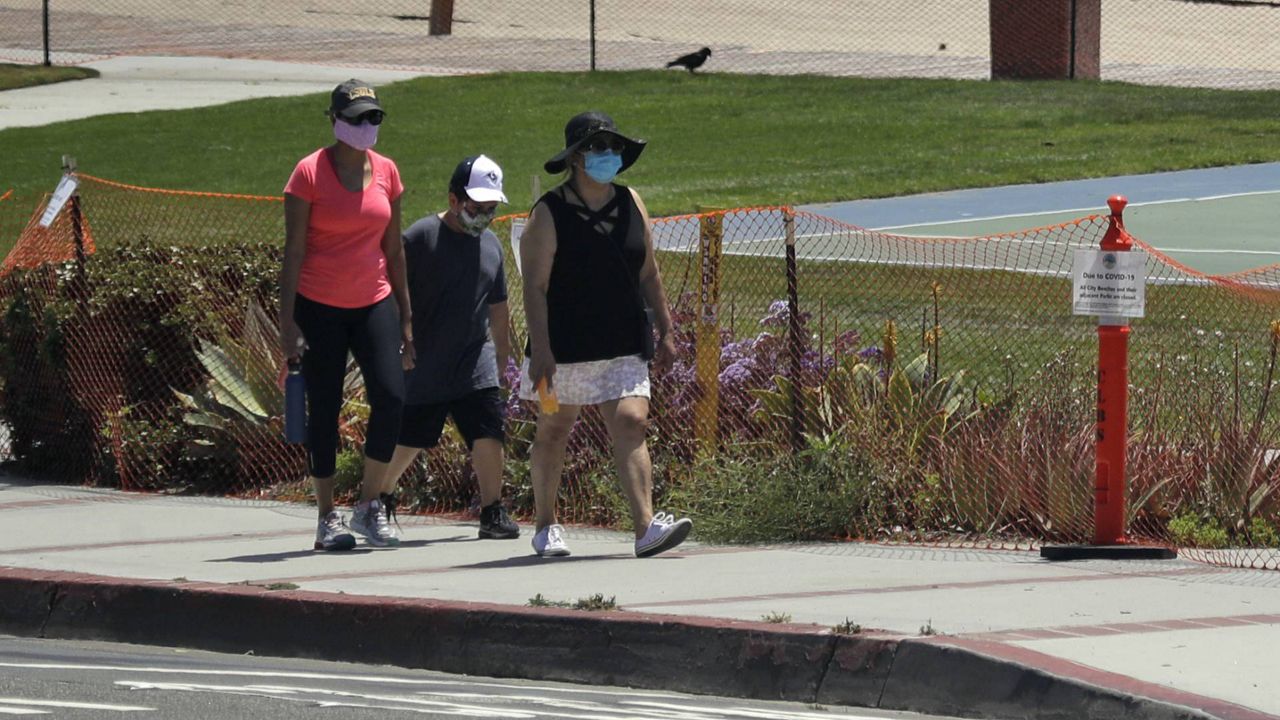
1112, 439
1113, 402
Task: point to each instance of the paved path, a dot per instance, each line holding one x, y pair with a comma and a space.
135, 84
1172, 631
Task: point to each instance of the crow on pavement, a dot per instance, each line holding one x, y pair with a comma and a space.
692, 61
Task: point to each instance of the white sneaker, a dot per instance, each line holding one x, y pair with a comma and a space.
549, 542
332, 533
369, 519
664, 533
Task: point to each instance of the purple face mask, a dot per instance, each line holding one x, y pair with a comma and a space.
360, 137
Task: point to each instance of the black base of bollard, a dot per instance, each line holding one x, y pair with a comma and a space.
1107, 552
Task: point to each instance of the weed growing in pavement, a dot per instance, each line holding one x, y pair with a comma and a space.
848, 627
594, 603
776, 617
928, 629
281, 586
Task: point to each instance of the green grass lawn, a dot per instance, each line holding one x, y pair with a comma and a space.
718, 140
20, 76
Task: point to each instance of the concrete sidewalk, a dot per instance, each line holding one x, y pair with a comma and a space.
137, 84
982, 633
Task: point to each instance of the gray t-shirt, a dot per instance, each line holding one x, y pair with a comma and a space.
453, 279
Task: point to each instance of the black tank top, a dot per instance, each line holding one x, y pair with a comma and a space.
594, 308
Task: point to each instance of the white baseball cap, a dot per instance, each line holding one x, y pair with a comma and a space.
479, 178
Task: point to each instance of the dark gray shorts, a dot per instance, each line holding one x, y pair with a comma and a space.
480, 414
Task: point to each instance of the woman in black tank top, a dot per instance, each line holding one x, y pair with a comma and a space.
589, 274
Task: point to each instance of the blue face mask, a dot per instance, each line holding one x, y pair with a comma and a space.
603, 167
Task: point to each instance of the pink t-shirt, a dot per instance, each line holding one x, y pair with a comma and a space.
344, 265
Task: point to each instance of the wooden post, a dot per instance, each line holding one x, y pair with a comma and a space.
441, 21
707, 340
73, 208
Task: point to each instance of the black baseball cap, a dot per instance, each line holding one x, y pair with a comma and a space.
354, 98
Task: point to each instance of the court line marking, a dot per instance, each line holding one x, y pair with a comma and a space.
1091, 210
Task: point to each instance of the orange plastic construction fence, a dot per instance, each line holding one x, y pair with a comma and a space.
831, 382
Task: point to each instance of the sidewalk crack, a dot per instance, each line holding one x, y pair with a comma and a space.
832, 643
48, 614
888, 675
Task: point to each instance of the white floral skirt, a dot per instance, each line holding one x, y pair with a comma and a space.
593, 382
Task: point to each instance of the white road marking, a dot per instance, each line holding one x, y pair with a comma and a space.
485, 703
22, 711
327, 676
549, 707
295, 694
75, 705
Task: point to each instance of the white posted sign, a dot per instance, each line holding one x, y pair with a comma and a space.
1109, 283
61, 195
517, 232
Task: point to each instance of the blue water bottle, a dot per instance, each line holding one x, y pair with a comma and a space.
295, 404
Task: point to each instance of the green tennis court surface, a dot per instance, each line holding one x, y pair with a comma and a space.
1216, 221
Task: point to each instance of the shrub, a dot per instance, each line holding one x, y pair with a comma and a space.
755, 494
91, 354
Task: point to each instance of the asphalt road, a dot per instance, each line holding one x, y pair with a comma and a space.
66, 679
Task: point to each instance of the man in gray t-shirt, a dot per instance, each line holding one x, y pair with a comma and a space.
461, 333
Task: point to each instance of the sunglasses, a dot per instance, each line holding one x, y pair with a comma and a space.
473, 208
373, 117
603, 143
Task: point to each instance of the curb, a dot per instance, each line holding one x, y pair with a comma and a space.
696, 655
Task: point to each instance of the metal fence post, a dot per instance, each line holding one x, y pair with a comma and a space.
593, 35
45, 16
793, 333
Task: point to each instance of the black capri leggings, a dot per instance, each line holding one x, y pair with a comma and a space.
372, 334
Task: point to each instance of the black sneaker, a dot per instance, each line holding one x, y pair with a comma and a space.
496, 524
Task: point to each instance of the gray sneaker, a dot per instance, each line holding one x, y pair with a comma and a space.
370, 520
332, 534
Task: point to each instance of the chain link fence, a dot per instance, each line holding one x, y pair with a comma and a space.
830, 382
1207, 43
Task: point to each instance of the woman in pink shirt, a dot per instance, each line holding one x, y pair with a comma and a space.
343, 289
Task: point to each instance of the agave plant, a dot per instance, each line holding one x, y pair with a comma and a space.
243, 400
910, 407
242, 397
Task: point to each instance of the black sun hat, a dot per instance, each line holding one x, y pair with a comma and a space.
586, 125
353, 98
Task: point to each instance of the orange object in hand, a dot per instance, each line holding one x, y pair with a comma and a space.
550, 404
